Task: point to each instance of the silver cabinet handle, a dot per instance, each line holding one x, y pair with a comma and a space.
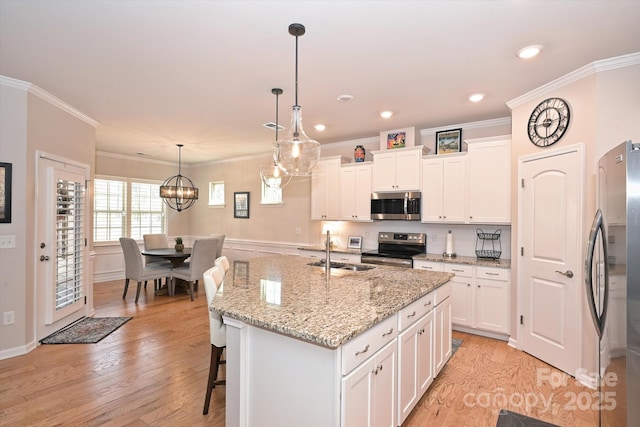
44, 258
567, 273
428, 303
388, 333
411, 315
459, 271
491, 274
366, 348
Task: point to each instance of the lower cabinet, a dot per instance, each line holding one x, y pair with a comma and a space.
368, 392
442, 336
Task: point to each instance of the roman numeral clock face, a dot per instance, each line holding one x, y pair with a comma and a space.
548, 122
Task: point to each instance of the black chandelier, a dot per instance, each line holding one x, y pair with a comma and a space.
178, 192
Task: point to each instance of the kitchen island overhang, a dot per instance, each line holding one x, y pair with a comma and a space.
287, 326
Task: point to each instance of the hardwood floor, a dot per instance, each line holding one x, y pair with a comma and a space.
153, 372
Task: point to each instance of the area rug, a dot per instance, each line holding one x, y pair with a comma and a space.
89, 330
513, 419
455, 344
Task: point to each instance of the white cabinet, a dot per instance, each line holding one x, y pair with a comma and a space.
355, 183
442, 328
492, 299
415, 362
462, 294
369, 391
444, 182
325, 189
397, 169
489, 177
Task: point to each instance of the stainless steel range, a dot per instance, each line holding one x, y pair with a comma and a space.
396, 249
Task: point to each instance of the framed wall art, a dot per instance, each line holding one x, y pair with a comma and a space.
449, 141
241, 204
397, 138
5, 192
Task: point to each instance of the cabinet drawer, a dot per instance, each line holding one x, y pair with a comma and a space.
427, 265
492, 273
368, 343
336, 256
461, 270
442, 293
414, 311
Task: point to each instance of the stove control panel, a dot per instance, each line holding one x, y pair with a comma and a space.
414, 239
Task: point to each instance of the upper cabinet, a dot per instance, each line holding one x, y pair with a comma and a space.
489, 178
444, 188
325, 188
355, 182
397, 169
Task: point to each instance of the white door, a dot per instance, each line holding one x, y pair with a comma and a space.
550, 265
61, 253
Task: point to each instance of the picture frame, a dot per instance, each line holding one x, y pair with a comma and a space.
241, 204
449, 141
354, 242
5, 192
398, 138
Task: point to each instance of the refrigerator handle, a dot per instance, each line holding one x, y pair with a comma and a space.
599, 319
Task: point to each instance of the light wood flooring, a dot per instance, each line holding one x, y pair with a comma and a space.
153, 372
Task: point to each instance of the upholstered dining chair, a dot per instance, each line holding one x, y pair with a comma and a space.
135, 269
203, 256
156, 241
213, 278
220, 238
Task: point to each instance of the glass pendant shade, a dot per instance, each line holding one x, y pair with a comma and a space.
178, 192
296, 154
273, 177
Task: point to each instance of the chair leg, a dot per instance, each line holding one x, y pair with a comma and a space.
145, 284
214, 364
138, 291
126, 286
191, 289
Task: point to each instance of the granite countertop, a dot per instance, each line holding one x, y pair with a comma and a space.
483, 262
285, 295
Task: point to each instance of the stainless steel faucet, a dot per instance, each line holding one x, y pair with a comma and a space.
327, 264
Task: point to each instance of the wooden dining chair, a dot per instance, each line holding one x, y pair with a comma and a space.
135, 269
203, 256
156, 241
213, 279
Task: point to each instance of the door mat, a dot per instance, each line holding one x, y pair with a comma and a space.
455, 344
512, 419
89, 330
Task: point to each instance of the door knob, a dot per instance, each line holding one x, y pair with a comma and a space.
44, 258
567, 273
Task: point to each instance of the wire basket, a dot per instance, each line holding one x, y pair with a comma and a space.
488, 245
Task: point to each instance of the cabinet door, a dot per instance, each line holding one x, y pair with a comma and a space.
442, 336
492, 305
426, 334
384, 172
489, 189
363, 193
357, 390
384, 387
407, 170
463, 302
348, 193
319, 191
454, 184
432, 187
333, 190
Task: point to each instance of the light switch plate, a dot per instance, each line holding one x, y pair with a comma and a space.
7, 242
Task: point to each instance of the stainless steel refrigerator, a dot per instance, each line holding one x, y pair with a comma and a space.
612, 280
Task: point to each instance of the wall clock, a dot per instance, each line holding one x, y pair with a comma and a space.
549, 121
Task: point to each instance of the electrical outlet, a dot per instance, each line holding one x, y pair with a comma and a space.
298, 230
7, 242
8, 317
434, 237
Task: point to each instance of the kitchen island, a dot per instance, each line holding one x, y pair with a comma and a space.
295, 339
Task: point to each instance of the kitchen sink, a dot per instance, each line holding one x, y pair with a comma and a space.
343, 266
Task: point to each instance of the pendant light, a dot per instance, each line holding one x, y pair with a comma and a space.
178, 192
296, 154
272, 175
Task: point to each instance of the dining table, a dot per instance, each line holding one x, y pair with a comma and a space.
176, 257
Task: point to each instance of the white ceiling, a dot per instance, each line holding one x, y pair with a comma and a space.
200, 73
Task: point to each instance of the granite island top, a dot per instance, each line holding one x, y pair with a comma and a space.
483, 262
285, 295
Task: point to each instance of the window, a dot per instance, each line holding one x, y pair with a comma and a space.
271, 195
216, 193
127, 208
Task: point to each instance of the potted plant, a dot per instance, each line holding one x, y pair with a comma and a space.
179, 246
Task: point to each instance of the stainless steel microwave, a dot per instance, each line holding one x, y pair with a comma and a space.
397, 205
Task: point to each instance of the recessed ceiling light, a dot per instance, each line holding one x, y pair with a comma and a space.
345, 98
386, 114
320, 127
529, 51
476, 97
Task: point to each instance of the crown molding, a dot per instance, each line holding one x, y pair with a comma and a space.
469, 125
137, 158
579, 74
46, 96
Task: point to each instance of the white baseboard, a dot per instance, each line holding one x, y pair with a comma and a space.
18, 351
501, 337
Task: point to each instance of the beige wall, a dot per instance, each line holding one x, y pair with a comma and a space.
29, 124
